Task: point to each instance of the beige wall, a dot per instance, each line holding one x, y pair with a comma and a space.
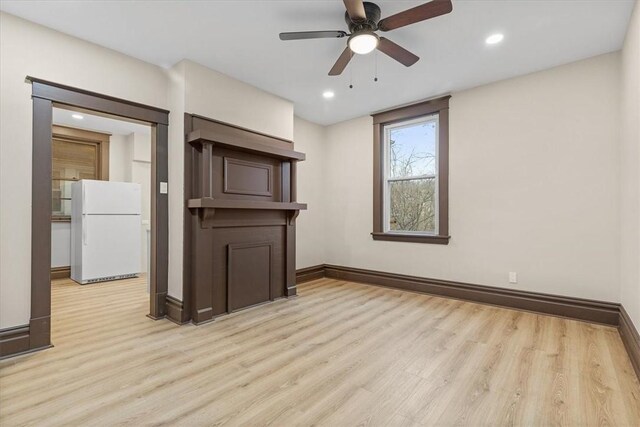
533, 187
630, 170
310, 242
29, 49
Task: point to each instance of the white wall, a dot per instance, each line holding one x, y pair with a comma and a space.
60, 244
630, 170
29, 49
130, 161
533, 187
310, 242
200, 90
120, 157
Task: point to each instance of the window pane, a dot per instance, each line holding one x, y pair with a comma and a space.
412, 205
60, 207
412, 150
61, 197
72, 160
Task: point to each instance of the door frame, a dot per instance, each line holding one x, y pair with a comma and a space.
46, 95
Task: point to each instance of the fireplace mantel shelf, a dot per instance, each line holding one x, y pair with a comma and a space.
203, 136
208, 202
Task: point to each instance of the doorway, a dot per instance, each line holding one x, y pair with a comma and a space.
47, 96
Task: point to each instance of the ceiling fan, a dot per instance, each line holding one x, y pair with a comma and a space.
363, 20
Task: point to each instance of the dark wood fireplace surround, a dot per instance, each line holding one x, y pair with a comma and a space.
240, 216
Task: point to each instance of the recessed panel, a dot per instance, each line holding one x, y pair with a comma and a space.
245, 177
248, 274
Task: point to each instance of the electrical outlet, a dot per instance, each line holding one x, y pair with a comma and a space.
164, 188
513, 277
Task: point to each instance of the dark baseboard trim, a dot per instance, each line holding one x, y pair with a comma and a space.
175, 310
574, 308
24, 339
630, 338
309, 273
60, 273
14, 340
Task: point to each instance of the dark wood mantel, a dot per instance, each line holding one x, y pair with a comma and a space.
208, 202
240, 232
237, 142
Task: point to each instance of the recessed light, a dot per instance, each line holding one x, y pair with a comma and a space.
77, 116
494, 38
328, 94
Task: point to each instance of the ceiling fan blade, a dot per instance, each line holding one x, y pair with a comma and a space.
355, 9
397, 52
303, 35
342, 62
419, 13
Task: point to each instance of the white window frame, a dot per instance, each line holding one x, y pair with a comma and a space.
430, 118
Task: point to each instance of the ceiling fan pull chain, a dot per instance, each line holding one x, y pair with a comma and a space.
351, 78
375, 62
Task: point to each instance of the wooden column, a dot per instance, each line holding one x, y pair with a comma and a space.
39, 323
159, 262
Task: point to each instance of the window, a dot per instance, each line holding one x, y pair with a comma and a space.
76, 154
411, 173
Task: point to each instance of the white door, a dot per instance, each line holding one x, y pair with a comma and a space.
111, 245
105, 197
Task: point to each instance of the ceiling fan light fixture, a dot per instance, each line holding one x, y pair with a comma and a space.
363, 42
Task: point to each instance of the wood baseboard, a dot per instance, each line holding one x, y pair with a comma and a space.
25, 339
60, 273
630, 338
606, 313
14, 340
175, 310
310, 273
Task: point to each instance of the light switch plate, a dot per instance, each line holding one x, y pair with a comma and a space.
164, 188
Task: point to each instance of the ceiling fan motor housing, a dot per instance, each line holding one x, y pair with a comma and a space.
372, 11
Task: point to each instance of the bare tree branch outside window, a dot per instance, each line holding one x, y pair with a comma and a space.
412, 178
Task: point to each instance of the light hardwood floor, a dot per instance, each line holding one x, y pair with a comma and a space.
340, 354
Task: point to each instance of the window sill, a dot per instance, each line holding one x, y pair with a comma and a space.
415, 238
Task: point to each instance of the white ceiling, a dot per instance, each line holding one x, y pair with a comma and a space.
98, 123
240, 38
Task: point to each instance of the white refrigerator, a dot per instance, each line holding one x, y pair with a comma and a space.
105, 230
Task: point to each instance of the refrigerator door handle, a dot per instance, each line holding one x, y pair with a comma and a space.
84, 229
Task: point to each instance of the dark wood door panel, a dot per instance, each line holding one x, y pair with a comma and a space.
238, 175
249, 274
235, 243
248, 178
